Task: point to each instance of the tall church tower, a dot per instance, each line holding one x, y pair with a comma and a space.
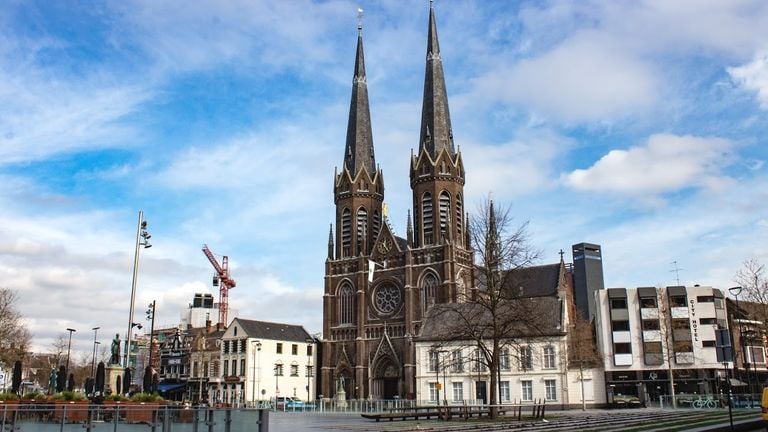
371, 317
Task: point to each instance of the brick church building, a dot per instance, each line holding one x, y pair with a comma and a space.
369, 323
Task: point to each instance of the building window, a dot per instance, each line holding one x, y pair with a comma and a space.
279, 348
622, 348
549, 357
309, 350
294, 370
346, 305
215, 371
278, 369
622, 325
362, 228
504, 393
226, 367
708, 344
619, 303
648, 303
294, 349
426, 217
346, 232
683, 346
458, 392
205, 369
705, 299
433, 392
434, 360
428, 291
457, 361
226, 347
526, 358
459, 219
196, 369
757, 355
526, 390
310, 371
376, 224
504, 359
677, 301
653, 354
478, 362
234, 367
650, 324
705, 321
445, 212
550, 387
681, 324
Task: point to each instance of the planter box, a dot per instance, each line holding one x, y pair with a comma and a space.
70, 411
140, 412
7, 408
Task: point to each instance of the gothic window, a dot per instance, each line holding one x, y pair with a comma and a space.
346, 232
346, 305
376, 224
428, 291
426, 217
387, 299
362, 228
445, 212
459, 219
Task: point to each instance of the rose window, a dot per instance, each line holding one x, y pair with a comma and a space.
387, 299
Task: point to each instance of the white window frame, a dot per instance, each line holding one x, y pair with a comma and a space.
526, 390
458, 391
550, 389
504, 391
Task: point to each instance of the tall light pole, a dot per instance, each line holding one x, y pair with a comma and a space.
257, 346
151, 317
70, 330
142, 239
93, 363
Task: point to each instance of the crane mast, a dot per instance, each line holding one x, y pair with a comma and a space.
224, 281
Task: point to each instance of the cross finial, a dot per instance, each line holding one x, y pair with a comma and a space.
359, 19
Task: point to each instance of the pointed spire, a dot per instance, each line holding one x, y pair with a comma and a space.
409, 230
436, 132
330, 242
358, 153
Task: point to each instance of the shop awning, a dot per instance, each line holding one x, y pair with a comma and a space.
737, 382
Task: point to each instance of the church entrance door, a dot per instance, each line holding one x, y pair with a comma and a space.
390, 388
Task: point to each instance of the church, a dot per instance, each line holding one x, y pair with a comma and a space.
378, 286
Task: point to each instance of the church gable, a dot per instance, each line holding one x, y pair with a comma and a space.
386, 244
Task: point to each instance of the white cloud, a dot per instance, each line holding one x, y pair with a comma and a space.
753, 76
665, 163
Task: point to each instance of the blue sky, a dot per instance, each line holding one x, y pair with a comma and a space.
637, 125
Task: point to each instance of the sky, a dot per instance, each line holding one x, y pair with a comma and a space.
636, 125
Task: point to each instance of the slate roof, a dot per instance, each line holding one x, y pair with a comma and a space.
534, 281
273, 331
529, 317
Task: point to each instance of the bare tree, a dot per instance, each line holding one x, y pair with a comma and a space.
582, 348
753, 279
14, 336
58, 348
497, 313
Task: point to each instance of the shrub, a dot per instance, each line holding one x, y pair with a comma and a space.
9, 397
35, 396
69, 396
146, 397
116, 398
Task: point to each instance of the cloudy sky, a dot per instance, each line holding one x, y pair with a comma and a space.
637, 125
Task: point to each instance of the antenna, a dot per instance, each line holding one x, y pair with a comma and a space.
676, 271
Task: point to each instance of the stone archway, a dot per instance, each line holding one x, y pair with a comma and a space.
386, 382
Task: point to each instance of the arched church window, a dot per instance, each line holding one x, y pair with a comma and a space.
459, 220
428, 291
346, 232
445, 212
346, 305
362, 228
426, 215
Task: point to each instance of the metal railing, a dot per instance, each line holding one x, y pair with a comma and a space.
49, 417
711, 401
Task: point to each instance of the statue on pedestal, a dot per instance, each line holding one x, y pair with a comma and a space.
115, 358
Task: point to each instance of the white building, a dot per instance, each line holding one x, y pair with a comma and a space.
645, 332
533, 363
261, 360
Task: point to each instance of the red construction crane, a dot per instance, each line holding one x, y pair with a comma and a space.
222, 279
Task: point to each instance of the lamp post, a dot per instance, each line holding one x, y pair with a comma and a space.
736, 291
257, 345
310, 341
151, 317
142, 239
70, 330
93, 362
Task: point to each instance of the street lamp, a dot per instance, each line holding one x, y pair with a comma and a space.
70, 330
257, 344
151, 317
142, 239
93, 363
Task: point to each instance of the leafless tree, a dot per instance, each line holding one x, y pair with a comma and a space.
14, 336
497, 314
753, 279
582, 348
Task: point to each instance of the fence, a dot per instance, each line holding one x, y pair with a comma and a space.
709, 401
47, 417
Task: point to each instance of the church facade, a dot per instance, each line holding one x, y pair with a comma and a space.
370, 319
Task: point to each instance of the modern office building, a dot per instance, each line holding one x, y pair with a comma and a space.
587, 277
644, 333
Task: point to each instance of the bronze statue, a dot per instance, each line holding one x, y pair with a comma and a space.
115, 359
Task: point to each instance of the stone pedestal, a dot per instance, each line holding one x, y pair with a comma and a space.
114, 372
341, 399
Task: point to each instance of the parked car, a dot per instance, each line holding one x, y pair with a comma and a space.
289, 403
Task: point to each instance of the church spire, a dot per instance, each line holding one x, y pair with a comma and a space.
330, 243
436, 132
358, 153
